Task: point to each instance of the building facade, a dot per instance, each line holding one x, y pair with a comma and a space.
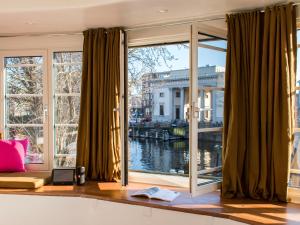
165, 95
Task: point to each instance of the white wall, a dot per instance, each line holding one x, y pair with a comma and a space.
49, 42
46, 210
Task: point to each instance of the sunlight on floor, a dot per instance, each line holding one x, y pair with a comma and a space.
255, 206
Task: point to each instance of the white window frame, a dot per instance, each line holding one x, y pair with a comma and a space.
22, 53
48, 44
195, 109
52, 97
161, 35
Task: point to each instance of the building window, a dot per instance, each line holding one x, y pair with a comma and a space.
67, 80
177, 112
161, 110
177, 94
161, 94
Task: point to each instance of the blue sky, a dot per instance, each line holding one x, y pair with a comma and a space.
206, 56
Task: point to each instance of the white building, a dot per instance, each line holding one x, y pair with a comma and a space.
165, 94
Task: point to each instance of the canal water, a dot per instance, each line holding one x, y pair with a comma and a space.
154, 155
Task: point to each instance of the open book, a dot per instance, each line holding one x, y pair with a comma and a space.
157, 193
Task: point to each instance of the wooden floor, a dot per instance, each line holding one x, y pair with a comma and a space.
243, 210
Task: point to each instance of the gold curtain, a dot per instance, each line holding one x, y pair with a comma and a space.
259, 103
98, 142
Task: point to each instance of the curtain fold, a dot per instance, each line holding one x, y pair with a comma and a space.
98, 142
259, 103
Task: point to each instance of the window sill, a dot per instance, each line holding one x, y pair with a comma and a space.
209, 204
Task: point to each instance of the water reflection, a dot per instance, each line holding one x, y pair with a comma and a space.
171, 156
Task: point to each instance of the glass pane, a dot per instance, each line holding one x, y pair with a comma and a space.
36, 138
62, 57
67, 109
211, 104
212, 73
67, 78
24, 110
209, 157
211, 80
76, 57
67, 71
65, 143
64, 161
10, 61
24, 80
216, 43
67, 57
24, 75
295, 162
158, 98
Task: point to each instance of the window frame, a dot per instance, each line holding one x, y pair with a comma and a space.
48, 84
51, 96
48, 43
160, 36
54, 95
22, 53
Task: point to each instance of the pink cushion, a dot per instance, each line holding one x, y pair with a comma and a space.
12, 155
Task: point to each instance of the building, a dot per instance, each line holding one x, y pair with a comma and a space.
165, 95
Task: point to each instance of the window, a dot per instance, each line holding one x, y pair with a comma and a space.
67, 80
25, 104
177, 112
149, 76
29, 107
177, 94
161, 94
211, 70
161, 110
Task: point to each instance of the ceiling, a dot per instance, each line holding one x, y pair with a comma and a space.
64, 16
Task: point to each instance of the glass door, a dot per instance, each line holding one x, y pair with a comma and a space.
157, 101
25, 105
208, 57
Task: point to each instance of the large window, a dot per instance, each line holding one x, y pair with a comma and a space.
158, 83
35, 102
67, 78
159, 125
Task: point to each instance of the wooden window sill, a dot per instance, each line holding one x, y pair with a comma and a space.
242, 210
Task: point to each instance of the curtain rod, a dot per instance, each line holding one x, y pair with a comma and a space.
141, 27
